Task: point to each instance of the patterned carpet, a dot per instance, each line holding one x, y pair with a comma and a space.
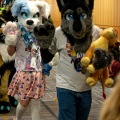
49, 106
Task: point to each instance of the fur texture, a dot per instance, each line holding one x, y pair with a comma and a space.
7, 69
29, 13
44, 33
107, 38
77, 22
100, 56
5, 15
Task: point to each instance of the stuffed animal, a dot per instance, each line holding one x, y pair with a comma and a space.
7, 69
107, 38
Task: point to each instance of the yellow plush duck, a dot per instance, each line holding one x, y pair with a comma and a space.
107, 38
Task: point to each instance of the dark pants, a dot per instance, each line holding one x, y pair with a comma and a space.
73, 105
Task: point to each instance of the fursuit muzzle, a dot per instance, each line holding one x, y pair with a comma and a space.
77, 22
30, 13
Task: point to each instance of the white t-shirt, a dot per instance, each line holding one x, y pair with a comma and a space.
66, 76
23, 58
95, 32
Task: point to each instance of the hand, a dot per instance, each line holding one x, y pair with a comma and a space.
11, 33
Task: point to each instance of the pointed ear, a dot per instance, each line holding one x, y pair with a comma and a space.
44, 8
90, 3
61, 4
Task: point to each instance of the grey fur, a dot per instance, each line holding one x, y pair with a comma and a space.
82, 41
87, 2
47, 31
62, 3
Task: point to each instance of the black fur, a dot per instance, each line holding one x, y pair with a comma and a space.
77, 22
7, 66
46, 55
61, 3
102, 59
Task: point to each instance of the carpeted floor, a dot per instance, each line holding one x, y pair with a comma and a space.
49, 110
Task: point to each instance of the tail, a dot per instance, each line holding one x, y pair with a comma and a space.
103, 89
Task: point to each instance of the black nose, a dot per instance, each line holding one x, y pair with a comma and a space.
77, 26
30, 22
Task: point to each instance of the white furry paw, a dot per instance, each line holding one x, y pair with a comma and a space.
11, 32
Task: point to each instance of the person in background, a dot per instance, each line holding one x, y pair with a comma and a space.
111, 107
114, 68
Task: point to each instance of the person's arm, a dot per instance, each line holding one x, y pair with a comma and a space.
11, 50
48, 53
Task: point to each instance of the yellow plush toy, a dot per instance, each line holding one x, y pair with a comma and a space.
107, 38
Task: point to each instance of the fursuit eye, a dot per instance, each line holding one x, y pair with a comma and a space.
24, 14
83, 16
69, 17
36, 15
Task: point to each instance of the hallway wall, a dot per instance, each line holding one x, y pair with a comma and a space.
55, 14
106, 13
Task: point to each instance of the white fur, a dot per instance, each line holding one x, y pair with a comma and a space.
11, 39
44, 8
4, 53
35, 6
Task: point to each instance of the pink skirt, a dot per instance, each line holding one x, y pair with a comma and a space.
27, 85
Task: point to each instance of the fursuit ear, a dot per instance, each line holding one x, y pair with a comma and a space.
61, 4
18, 4
90, 3
44, 8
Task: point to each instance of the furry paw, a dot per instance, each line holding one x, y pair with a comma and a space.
11, 33
44, 34
90, 81
91, 69
109, 82
4, 107
85, 61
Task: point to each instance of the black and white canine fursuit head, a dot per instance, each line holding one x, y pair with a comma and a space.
77, 22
